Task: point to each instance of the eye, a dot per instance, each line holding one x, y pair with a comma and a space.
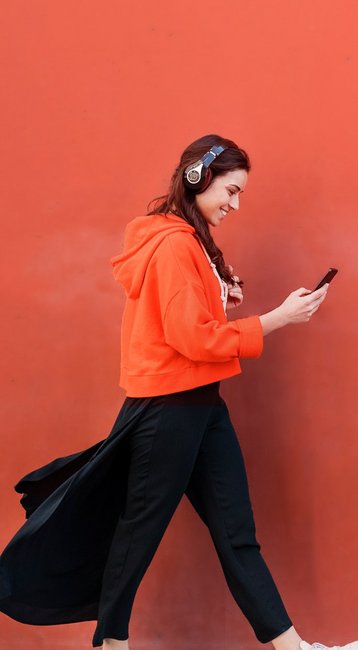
230, 192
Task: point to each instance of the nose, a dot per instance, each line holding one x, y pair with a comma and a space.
234, 202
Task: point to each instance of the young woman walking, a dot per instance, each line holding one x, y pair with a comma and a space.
97, 533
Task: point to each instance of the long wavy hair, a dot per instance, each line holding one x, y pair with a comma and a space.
181, 201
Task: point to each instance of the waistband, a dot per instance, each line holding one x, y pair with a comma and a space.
205, 394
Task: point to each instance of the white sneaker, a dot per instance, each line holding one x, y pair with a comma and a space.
319, 646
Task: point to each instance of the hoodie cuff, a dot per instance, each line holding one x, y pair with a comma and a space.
251, 336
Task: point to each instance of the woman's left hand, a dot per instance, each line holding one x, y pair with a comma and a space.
235, 295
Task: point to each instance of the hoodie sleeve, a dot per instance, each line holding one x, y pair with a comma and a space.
190, 329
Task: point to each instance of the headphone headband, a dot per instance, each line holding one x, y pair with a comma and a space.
209, 156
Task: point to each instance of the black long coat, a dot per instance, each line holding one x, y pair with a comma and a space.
51, 570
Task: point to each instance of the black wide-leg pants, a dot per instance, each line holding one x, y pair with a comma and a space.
185, 443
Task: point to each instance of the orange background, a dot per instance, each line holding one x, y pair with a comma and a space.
98, 101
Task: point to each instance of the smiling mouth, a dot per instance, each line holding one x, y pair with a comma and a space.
223, 212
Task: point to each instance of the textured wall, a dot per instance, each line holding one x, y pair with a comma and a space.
98, 100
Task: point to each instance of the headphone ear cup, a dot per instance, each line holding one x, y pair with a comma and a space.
205, 181
197, 186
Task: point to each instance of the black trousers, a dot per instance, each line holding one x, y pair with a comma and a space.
185, 443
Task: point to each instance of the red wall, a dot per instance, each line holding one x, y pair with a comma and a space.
99, 99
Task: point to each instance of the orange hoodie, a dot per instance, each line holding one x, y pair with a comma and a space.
175, 334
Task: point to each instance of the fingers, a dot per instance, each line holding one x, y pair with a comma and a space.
316, 297
319, 292
235, 278
235, 295
314, 304
309, 298
312, 311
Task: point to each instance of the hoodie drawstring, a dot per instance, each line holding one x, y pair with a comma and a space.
224, 290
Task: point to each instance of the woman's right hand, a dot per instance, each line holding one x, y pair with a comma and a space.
301, 304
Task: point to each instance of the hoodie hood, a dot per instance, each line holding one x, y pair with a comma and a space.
142, 236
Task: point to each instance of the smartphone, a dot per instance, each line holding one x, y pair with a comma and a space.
326, 278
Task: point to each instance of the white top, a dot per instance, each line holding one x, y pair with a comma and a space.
224, 289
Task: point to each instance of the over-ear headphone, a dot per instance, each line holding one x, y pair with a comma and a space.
198, 176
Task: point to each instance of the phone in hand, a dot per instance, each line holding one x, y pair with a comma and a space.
326, 278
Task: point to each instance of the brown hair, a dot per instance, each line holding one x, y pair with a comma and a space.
181, 201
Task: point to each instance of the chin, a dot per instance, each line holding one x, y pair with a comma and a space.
216, 220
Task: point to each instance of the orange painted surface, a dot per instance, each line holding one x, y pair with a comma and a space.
98, 101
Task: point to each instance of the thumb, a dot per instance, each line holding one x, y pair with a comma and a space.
301, 291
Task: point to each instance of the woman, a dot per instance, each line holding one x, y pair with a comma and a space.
174, 427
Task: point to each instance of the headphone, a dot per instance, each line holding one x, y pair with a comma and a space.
197, 176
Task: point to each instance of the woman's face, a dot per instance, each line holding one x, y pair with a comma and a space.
221, 196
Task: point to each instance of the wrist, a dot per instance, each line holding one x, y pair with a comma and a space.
273, 320
281, 316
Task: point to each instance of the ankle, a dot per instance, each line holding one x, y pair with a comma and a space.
288, 640
115, 644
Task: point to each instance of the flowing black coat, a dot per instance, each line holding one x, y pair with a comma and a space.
51, 570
